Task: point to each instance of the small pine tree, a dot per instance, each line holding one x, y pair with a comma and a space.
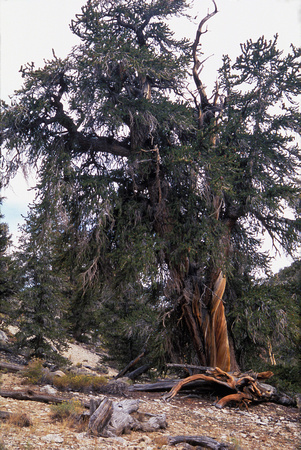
42, 299
8, 284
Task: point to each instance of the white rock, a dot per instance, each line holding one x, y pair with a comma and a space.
58, 373
53, 438
49, 389
3, 336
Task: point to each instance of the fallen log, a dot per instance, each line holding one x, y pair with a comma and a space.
136, 373
200, 386
32, 396
10, 367
188, 367
201, 441
130, 365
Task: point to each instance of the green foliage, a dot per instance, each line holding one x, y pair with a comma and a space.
42, 299
286, 378
65, 410
8, 280
266, 322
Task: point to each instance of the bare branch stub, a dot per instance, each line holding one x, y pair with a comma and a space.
204, 103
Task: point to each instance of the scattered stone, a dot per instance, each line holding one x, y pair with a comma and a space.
3, 336
48, 389
55, 438
58, 373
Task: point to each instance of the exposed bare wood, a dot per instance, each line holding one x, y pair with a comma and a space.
201, 441
10, 367
116, 418
130, 365
204, 103
100, 417
188, 367
245, 387
31, 395
139, 371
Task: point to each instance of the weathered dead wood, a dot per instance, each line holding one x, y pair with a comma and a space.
130, 365
188, 367
116, 418
136, 373
245, 387
100, 417
202, 441
32, 396
159, 386
10, 367
163, 386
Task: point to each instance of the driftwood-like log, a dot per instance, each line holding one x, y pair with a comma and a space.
201, 441
159, 386
242, 388
10, 367
116, 418
130, 365
163, 386
136, 373
100, 417
189, 367
32, 396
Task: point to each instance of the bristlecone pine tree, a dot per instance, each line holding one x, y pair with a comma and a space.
162, 187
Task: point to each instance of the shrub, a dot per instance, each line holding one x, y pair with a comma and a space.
70, 413
70, 409
33, 373
20, 420
78, 382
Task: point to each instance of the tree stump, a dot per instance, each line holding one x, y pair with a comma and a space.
116, 418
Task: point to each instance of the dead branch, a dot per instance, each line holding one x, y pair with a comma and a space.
10, 367
130, 365
204, 103
242, 388
201, 441
31, 395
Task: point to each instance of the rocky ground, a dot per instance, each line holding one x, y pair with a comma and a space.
262, 426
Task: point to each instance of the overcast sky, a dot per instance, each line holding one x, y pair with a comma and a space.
30, 29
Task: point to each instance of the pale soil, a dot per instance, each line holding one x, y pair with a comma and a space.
78, 354
263, 426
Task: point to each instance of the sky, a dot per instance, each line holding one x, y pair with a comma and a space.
30, 29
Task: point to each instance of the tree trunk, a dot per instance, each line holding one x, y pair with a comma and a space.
205, 318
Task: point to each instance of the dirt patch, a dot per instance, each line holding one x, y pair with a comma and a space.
78, 354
